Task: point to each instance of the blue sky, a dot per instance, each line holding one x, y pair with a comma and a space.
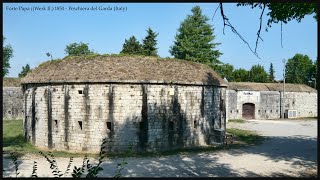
33, 33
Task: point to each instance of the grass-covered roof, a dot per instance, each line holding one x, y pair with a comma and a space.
118, 68
250, 86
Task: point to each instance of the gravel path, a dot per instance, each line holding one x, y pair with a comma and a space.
289, 150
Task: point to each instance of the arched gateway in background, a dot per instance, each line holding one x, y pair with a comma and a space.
154, 104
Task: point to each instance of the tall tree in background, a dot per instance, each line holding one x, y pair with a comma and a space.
271, 73
131, 46
258, 74
7, 55
225, 71
149, 45
240, 75
25, 70
194, 40
298, 69
75, 49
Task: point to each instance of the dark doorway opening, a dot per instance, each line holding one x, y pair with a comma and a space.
248, 110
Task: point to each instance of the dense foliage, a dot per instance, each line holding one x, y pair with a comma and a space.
7, 55
194, 40
76, 49
149, 43
131, 46
258, 74
300, 69
25, 70
271, 73
285, 12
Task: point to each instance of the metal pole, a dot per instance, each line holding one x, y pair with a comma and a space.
284, 81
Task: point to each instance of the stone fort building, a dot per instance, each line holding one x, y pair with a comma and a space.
246, 100
153, 104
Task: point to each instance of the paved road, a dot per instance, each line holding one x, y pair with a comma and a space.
290, 148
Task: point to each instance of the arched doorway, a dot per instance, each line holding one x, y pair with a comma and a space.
248, 110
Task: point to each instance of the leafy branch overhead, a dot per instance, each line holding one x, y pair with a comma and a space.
278, 12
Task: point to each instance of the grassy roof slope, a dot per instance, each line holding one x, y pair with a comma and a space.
137, 69
270, 87
11, 82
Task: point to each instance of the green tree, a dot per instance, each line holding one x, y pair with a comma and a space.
149, 43
131, 46
271, 73
194, 40
298, 69
312, 75
7, 55
240, 75
225, 71
75, 49
25, 70
258, 74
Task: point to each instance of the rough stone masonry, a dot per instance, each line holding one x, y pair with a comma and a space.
152, 115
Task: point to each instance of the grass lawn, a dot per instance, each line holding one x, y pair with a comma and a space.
236, 121
13, 141
245, 136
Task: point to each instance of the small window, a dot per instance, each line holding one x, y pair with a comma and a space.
171, 125
237, 111
80, 91
231, 111
56, 125
109, 126
195, 126
265, 111
277, 110
271, 111
9, 112
80, 125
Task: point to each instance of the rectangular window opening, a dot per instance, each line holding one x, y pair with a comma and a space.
109, 126
80, 91
80, 125
141, 126
171, 125
195, 124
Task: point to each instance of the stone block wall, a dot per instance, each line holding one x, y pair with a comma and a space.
151, 117
12, 105
305, 103
268, 103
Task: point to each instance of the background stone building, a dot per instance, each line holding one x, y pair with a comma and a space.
12, 105
246, 100
155, 104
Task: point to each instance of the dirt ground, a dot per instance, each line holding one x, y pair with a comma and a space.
290, 149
